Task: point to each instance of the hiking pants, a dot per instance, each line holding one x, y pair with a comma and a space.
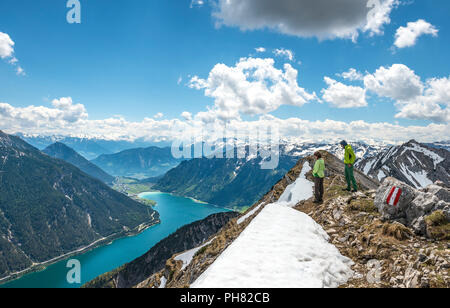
318, 188
350, 177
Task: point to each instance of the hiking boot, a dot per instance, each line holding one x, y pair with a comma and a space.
346, 189
317, 202
354, 191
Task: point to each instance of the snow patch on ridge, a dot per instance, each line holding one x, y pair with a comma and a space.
249, 214
186, 257
281, 248
301, 189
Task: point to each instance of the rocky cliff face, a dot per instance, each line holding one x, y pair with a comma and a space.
186, 238
386, 253
413, 163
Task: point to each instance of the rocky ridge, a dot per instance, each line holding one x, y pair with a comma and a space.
386, 253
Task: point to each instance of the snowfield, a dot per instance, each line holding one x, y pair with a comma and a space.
281, 248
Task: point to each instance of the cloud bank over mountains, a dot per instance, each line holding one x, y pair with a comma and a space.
256, 87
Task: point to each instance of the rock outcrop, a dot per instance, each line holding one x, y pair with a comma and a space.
417, 209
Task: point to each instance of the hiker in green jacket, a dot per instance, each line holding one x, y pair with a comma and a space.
349, 161
319, 175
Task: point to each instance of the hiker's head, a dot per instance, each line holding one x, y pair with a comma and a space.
344, 143
318, 155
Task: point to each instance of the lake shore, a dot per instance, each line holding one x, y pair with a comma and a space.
37, 267
113, 252
141, 195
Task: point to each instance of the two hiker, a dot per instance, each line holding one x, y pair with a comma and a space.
319, 172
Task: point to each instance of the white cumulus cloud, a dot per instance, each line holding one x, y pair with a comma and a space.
352, 75
253, 86
407, 36
414, 98
7, 52
398, 82
285, 53
6, 46
186, 115
340, 95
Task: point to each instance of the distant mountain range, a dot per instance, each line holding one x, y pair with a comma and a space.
49, 208
61, 151
362, 149
413, 163
89, 148
440, 145
138, 163
237, 183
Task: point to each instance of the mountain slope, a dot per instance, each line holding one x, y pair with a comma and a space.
301, 256
413, 163
185, 238
272, 245
139, 163
224, 182
61, 151
49, 208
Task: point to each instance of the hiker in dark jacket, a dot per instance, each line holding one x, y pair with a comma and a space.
319, 175
349, 161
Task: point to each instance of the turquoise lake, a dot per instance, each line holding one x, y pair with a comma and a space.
174, 211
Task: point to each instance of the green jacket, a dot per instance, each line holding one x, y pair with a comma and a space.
319, 169
349, 157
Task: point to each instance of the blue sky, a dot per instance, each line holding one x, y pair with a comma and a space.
127, 57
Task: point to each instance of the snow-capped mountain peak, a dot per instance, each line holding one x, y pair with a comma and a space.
414, 163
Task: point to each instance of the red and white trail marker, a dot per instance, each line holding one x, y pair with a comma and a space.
394, 196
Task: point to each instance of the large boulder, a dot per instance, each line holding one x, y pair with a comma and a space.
413, 205
397, 212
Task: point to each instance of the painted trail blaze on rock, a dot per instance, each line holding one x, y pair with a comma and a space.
394, 196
